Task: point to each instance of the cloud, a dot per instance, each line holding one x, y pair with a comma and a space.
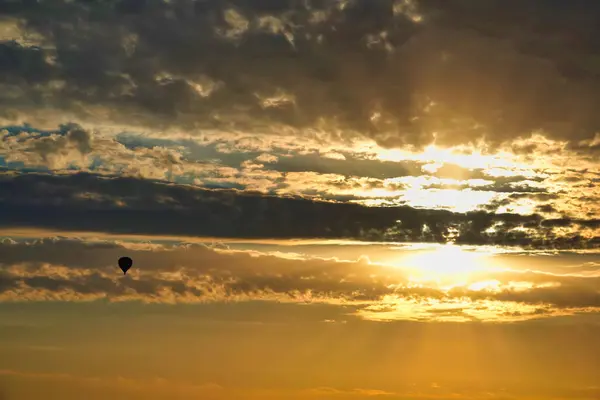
193, 271
398, 72
76, 270
434, 179
149, 107
84, 202
72, 146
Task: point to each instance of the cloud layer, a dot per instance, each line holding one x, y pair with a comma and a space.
400, 72
84, 202
333, 101
74, 270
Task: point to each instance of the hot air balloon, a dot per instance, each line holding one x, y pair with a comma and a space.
125, 263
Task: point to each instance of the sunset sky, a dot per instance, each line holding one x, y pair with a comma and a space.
323, 199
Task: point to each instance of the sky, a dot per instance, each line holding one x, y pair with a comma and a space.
323, 199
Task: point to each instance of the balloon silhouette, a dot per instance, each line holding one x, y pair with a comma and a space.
125, 263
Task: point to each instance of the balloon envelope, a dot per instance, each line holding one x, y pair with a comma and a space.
125, 263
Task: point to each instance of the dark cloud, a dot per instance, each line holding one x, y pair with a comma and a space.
352, 167
503, 69
128, 205
546, 208
495, 187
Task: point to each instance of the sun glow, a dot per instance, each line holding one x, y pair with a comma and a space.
465, 157
447, 265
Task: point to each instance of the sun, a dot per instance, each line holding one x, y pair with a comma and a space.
446, 264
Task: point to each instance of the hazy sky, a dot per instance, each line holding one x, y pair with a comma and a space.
323, 199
